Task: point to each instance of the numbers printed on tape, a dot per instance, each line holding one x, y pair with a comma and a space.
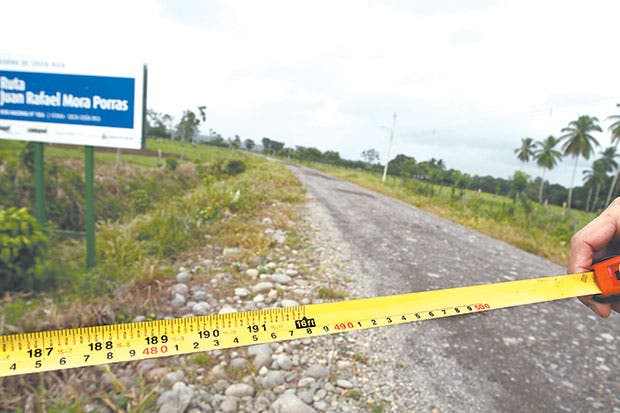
90, 346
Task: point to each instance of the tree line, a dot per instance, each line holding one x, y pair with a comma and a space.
577, 141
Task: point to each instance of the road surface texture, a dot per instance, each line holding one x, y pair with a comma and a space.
549, 357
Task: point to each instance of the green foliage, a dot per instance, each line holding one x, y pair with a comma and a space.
140, 200
234, 167
23, 245
271, 147
15, 311
249, 144
27, 156
171, 163
157, 124
15, 183
64, 196
518, 183
187, 128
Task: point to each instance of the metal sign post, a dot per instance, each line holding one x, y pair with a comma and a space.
39, 184
89, 181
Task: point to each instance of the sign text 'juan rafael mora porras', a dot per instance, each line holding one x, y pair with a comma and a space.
58, 102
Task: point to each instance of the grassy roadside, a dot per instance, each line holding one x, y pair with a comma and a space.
214, 206
541, 230
138, 255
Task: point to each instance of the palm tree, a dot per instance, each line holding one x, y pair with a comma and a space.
579, 142
526, 151
614, 128
608, 159
595, 178
546, 157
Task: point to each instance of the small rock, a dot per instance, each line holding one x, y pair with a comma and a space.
279, 237
201, 308
252, 273
289, 403
262, 353
174, 376
320, 394
146, 365
242, 292
307, 396
180, 288
239, 390
229, 405
175, 400
317, 371
262, 287
273, 378
284, 362
345, 384
230, 251
227, 309
183, 276
280, 278
289, 303
200, 295
178, 300
238, 363
306, 381
218, 372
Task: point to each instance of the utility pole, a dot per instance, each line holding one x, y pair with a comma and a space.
387, 160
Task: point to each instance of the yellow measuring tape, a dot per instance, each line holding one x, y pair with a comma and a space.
90, 346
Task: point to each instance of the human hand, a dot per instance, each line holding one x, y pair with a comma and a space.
598, 239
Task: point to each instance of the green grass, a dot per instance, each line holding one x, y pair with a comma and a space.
159, 225
139, 251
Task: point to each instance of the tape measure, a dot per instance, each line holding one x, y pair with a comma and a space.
91, 346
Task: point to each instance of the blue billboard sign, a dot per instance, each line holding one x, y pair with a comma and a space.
69, 99
60, 103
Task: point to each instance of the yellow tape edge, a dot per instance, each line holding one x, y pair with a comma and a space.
91, 346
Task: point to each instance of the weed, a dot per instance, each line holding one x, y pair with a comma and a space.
360, 358
330, 294
354, 394
377, 408
172, 163
202, 360
23, 246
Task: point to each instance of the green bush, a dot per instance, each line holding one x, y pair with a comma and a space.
234, 167
140, 200
27, 156
23, 246
171, 163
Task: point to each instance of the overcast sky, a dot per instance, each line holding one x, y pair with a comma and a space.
467, 79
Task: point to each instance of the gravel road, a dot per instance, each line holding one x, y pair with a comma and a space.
552, 357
